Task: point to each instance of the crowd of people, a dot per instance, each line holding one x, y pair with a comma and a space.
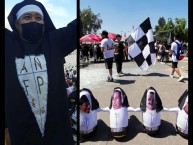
163, 51
117, 50
93, 49
71, 81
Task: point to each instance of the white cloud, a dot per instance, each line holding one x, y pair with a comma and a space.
7, 11
60, 11
54, 9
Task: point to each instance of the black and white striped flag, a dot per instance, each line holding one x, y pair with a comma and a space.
141, 45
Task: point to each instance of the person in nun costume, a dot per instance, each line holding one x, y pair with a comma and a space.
151, 106
36, 104
89, 107
182, 117
119, 108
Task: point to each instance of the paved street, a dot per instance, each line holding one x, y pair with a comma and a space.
134, 84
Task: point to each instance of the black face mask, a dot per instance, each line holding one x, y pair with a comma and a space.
32, 31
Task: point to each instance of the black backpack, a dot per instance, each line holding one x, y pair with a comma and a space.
180, 51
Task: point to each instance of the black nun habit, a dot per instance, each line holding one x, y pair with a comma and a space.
124, 101
49, 26
119, 115
182, 118
88, 120
158, 103
36, 105
182, 99
151, 118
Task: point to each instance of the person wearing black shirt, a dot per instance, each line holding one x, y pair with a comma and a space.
119, 55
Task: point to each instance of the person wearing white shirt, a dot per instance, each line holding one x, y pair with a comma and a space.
174, 59
107, 47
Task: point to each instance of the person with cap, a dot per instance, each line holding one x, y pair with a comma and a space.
119, 55
107, 47
151, 106
182, 115
36, 103
119, 108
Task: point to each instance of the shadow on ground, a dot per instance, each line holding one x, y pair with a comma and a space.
135, 127
184, 80
124, 82
166, 129
100, 61
101, 134
129, 74
132, 130
83, 65
156, 74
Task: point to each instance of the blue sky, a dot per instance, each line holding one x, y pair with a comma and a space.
60, 11
122, 15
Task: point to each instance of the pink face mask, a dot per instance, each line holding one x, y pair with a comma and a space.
116, 101
150, 103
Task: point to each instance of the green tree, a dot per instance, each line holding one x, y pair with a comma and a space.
161, 22
180, 28
169, 25
163, 29
160, 28
89, 22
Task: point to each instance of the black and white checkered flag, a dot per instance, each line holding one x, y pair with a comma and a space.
141, 45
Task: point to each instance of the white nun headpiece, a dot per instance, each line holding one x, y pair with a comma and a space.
93, 102
28, 8
124, 101
158, 102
